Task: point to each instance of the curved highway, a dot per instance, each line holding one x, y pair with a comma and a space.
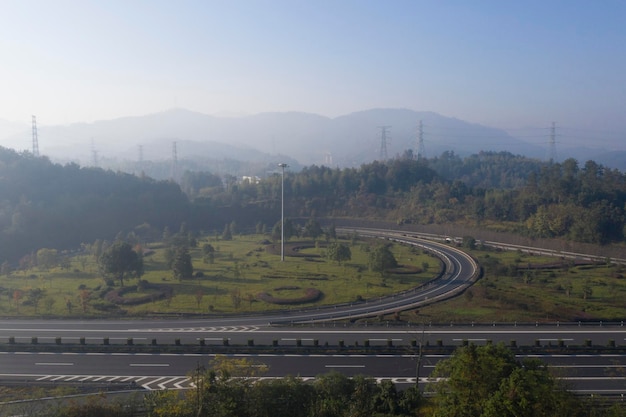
599, 373
459, 272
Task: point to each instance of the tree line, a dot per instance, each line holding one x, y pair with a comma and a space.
51, 206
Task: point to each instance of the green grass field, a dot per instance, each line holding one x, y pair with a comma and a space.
524, 288
242, 268
516, 287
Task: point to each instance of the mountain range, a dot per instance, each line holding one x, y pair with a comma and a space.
300, 138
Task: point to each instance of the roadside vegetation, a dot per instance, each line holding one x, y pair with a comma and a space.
524, 288
476, 381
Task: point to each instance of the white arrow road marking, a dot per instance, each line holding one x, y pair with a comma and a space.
147, 386
223, 329
163, 384
185, 380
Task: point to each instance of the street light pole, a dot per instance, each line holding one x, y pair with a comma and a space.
282, 212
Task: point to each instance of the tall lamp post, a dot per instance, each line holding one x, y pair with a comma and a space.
282, 213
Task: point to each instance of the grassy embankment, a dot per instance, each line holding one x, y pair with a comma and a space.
525, 288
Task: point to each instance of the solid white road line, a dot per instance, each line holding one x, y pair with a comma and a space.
54, 364
345, 366
150, 364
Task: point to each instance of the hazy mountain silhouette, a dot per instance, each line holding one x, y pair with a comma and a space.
348, 140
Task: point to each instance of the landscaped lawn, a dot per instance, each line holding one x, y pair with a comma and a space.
241, 269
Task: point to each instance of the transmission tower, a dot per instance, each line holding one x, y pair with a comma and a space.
384, 137
94, 154
421, 150
35, 138
552, 144
174, 162
328, 159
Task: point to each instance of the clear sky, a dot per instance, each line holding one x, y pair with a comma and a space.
501, 63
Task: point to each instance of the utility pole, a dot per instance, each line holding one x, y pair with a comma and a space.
383, 141
282, 212
35, 138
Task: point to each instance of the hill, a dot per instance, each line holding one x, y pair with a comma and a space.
303, 138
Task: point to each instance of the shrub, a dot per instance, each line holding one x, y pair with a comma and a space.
310, 295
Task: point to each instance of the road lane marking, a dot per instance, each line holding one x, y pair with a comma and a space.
345, 366
150, 364
54, 364
147, 385
163, 385
296, 339
179, 385
385, 340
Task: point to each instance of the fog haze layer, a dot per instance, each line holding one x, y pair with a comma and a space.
348, 140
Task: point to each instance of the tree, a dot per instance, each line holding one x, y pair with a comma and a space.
199, 294
182, 266
338, 252
47, 258
312, 229
488, 381
208, 252
227, 234
120, 261
382, 259
84, 295
5, 268
290, 230
332, 232
17, 299
469, 242
34, 296
207, 248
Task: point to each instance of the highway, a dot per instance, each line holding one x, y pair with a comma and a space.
238, 332
600, 374
309, 329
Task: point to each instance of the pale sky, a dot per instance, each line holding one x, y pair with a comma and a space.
501, 63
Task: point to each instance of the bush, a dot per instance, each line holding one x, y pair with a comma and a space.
310, 295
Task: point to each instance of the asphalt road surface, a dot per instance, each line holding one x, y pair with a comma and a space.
588, 374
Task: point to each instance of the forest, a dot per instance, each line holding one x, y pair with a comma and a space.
48, 205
